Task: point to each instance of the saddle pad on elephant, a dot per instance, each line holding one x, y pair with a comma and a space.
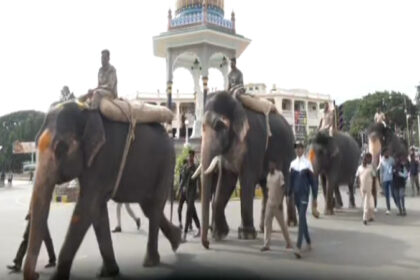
260, 105
120, 110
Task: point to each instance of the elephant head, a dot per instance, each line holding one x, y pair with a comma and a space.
67, 142
322, 152
225, 127
383, 138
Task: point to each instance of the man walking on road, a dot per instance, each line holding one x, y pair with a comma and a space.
24, 245
130, 212
302, 179
275, 185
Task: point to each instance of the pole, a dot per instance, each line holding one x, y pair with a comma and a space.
418, 127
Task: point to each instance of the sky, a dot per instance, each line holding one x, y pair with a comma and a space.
344, 48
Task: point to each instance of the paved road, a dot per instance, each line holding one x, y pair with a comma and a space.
343, 248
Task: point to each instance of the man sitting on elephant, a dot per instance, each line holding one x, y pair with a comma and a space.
302, 179
107, 83
327, 123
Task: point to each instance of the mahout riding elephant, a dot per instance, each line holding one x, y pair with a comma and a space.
234, 145
75, 142
336, 160
383, 138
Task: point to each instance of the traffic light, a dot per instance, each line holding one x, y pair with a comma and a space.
340, 117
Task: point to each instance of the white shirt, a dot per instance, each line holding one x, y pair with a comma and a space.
301, 163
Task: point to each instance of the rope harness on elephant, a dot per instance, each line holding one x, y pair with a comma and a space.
130, 138
239, 91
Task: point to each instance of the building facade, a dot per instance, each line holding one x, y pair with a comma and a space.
301, 108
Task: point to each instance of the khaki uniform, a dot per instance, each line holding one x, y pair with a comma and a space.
366, 176
107, 85
275, 185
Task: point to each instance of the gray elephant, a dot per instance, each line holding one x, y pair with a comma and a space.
79, 143
383, 138
235, 144
336, 160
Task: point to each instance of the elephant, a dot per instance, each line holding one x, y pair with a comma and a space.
75, 142
383, 138
336, 160
235, 144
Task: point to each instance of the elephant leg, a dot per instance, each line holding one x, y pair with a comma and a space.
329, 205
264, 190
338, 200
171, 232
352, 203
103, 235
247, 229
80, 222
153, 210
221, 227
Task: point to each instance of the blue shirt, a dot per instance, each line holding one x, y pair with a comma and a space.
386, 169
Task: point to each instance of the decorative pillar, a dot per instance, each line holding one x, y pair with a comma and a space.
178, 117
169, 19
205, 11
205, 88
225, 72
169, 94
199, 103
233, 22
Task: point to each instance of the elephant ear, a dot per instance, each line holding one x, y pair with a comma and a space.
93, 136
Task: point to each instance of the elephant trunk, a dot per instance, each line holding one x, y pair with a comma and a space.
39, 209
208, 160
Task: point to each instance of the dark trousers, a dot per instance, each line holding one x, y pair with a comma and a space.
303, 232
24, 245
400, 198
191, 212
182, 200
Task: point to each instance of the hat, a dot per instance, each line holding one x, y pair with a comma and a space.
299, 144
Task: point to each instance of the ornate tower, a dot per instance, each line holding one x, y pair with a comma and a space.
198, 38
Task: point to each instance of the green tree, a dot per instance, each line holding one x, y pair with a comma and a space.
22, 126
359, 113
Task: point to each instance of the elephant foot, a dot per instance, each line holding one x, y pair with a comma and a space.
220, 233
58, 276
247, 233
108, 272
176, 239
328, 212
151, 260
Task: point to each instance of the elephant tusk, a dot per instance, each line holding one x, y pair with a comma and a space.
197, 172
213, 165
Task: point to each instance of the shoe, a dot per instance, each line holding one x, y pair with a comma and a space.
365, 222
14, 268
387, 212
117, 229
265, 248
298, 253
138, 223
50, 264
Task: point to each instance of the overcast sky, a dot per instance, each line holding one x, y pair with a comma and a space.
345, 48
